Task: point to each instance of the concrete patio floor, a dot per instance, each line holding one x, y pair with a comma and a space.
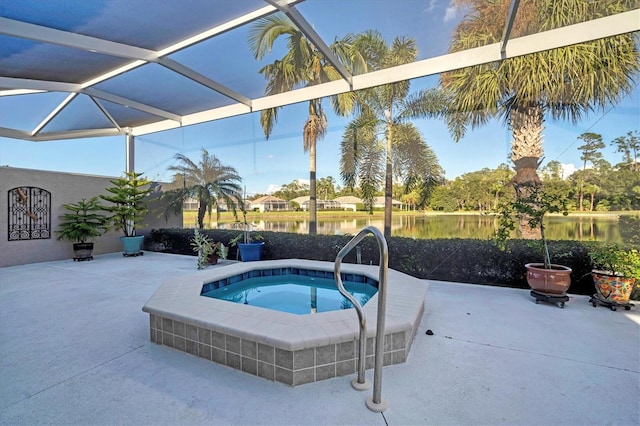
75, 349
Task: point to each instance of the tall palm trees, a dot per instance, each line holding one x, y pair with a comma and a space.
384, 112
302, 65
563, 83
209, 181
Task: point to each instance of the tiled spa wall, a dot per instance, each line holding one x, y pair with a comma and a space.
290, 367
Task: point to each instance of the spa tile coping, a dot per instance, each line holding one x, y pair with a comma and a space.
180, 299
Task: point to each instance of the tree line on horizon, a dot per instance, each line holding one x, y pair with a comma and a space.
597, 186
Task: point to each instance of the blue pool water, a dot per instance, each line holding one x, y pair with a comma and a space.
293, 293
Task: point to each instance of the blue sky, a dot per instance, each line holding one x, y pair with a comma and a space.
264, 165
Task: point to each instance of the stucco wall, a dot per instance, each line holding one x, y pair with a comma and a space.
64, 188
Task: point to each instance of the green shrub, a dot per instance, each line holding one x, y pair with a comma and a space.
629, 226
459, 260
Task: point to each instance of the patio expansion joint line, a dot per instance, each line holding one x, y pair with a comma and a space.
72, 377
543, 354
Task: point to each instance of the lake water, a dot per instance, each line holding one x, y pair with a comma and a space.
584, 228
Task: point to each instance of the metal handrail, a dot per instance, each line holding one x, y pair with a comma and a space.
375, 403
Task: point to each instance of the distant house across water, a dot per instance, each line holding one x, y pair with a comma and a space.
192, 204
378, 203
268, 203
303, 202
349, 202
354, 203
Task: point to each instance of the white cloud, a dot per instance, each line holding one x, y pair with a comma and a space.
451, 12
567, 170
271, 156
273, 188
430, 6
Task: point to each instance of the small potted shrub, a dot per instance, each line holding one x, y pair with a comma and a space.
128, 207
250, 245
544, 278
208, 252
616, 271
81, 223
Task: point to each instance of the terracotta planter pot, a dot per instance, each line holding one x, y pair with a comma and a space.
552, 281
612, 288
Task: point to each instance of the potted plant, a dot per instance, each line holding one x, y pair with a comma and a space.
250, 245
616, 270
208, 252
548, 281
81, 223
129, 206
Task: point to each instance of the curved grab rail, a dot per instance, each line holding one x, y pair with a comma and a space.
361, 383
375, 403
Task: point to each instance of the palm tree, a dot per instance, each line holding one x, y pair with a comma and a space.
208, 181
384, 112
302, 65
563, 83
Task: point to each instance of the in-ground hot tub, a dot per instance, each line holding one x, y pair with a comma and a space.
289, 348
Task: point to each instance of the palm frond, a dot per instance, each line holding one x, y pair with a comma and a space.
349, 155
373, 48
429, 103
371, 172
404, 50
268, 118
360, 132
413, 155
352, 58
265, 31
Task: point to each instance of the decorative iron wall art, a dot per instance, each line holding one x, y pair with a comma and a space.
29, 213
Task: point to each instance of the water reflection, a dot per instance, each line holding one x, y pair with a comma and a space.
599, 228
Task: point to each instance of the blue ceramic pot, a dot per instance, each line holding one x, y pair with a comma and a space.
132, 246
251, 252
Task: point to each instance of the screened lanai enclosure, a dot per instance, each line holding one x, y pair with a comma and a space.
78, 69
